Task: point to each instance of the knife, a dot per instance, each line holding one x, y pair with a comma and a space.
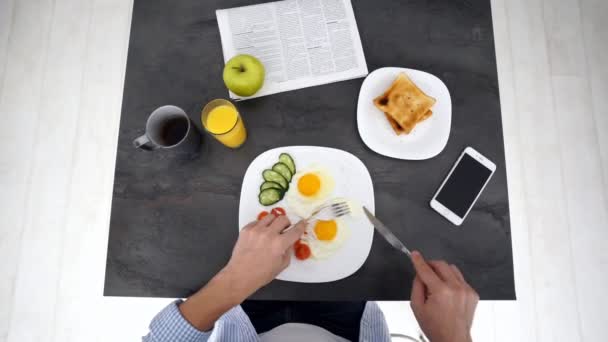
386, 233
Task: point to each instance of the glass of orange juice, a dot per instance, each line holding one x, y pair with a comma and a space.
222, 120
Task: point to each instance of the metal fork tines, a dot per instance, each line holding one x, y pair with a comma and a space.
340, 209
326, 212
331, 211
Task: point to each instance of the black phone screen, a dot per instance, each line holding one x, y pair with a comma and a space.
465, 182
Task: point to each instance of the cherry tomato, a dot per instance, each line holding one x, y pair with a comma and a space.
278, 211
262, 215
301, 250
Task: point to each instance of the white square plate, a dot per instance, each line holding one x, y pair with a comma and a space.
428, 137
353, 181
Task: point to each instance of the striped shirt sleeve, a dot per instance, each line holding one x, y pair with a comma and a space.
373, 325
169, 325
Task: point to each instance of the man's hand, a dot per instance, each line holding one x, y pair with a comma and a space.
442, 301
262, 252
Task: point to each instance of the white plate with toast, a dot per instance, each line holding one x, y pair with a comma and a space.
429, 135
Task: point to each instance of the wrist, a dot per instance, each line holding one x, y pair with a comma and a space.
464, 338
233, 285
203, 308
451, 337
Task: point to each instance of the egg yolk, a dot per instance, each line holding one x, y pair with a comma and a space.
326, 230
309, 184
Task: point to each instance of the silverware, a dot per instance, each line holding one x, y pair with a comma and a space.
386, 233
325, 212
330, 211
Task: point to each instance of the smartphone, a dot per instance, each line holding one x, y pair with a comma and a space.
463, 185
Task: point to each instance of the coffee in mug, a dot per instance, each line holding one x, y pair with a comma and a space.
169, 127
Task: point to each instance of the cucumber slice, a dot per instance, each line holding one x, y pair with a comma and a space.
287, 160
273, 176
270, 196
283, 170
270, 185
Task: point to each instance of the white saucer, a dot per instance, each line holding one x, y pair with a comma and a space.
428, 137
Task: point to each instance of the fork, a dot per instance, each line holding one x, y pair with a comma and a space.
326, 212
330, 211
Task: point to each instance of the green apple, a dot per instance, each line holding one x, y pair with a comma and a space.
244, 75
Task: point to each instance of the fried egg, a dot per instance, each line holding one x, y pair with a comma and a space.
309, 189
326, 237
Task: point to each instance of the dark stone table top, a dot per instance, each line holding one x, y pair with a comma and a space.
174, 218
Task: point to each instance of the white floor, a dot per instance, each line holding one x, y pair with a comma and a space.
61, 70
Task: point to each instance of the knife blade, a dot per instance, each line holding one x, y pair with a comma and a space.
386, 233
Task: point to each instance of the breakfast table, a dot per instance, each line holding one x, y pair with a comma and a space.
175, 216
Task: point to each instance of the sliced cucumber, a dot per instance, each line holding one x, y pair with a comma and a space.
283, 170
270, 196
273, 176
270, 185
287, 160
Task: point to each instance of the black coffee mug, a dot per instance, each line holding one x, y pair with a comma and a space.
169, 127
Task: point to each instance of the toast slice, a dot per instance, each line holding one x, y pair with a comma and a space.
405, 103
398, 129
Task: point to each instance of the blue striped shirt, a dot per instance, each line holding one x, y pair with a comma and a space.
169, 325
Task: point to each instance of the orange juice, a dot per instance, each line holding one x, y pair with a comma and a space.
221, 119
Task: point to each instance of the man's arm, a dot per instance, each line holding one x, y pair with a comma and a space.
443, 302
261, 252
212, 301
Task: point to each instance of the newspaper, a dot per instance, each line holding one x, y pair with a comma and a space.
302, 43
